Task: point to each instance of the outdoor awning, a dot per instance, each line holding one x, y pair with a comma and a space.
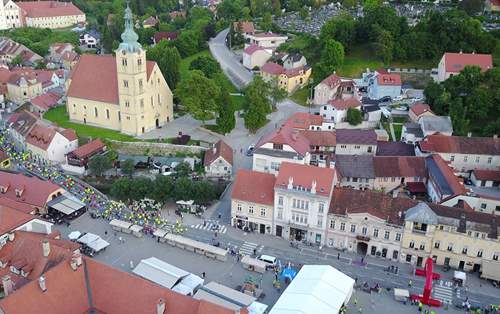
188, 284
120, 224
98, 245
74, 235
159, 272
88, 238
66, 204
187, 203
136, 228
160, 233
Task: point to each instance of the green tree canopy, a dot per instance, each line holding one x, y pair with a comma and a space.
206, 64
257, 104
99, 164
354, 116
127, 167
168, 60
332, 58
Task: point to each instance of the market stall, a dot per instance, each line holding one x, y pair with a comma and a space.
120, 225
253, 264
136, 230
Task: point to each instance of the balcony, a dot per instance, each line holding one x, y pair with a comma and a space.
363, 238
418, 231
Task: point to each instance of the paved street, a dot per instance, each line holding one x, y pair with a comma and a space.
234, 70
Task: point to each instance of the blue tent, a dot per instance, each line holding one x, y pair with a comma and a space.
289, 273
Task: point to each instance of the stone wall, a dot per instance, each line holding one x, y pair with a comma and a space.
153, 149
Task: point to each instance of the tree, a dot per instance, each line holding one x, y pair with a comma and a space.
332, 58
472, 7
168, 60
303, 13
340, 28
257, 104
183, 169
18, 60
187, 42
99, 164
205, 64
121, 189
225, 118
199, 95
385, 46
203, 192
128, 167
183, 189
163, 188
140, 188
267, 22
354, 116
277, 94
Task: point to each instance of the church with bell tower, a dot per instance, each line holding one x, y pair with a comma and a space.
124, 92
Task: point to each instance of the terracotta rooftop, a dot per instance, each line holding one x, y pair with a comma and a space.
344, 104
320, 138
11, 219
285, 135
34, 191
46, 101
389, 79
253, 48
41, 136
487, 175
303, 177
220, 149
255, 187
331, 81
402, 166
164, 35
356, 136
268, 35
70, 56
150, 21
22, 122
37, 9
15, 204
88, 149
272, 68
303, 120
84, 84
460, 145
245, 26
456, 62
420, 108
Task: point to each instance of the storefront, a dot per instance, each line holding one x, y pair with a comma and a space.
298, 234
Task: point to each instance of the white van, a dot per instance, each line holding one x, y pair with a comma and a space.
270, 260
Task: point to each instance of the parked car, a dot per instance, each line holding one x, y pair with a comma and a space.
385, 99
250, 150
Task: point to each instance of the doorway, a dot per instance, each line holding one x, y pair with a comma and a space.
262, 228
461, 265
362, 248
447, 261
84, 120
476, 268
420, 259
297, 234
157, 122
279, 231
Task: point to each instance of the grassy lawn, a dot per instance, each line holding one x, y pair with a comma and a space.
237, 102
300, 96
59, 116
397, 131
399, 119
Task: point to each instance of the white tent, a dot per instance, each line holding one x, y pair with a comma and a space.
317, 289
74, 235
159, 272
88, 238
98, 245
189, 284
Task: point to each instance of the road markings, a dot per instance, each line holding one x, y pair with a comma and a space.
248, 248
210, 226
443, 293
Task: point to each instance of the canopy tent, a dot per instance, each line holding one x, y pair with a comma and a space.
120, 224
98, 245
88, 238
224, 296
160, 233
257, 308
66, 204
459, 275
317, 289
289, 273
74, 235
189, 284
160, 272
136, 228
186, 203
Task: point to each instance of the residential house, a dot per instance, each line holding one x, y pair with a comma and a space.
245, 27
462, 239
12, 220
336, 109
89, 40
395, 149
168, 36
411, 133
356, 142
177, 14
265, 40
252, 201
288, 80
306, 121
334, 87
69, 60
366, 222
442, 182
419, 110
24, 84
255, 56
19, 125
10, 49
81, 156
436, 124
355, 171
302, 197
218, 161
393, 172
371, 113
131, 95
48, 144
4, 160
31, 193
463, 153
384, 85
293, 60
492, 5
9, 15
480, 199
485, 178
321, 147
57, 50
44, 102
50, 14
151, 21
453, 63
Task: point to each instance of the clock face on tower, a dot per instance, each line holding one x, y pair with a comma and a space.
124, 52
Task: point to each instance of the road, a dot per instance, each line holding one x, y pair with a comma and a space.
233, 69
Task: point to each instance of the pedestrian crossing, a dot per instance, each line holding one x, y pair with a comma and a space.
444, 293
247, 248
210, 225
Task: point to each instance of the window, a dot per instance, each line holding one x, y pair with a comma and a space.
393, 179
450, 247
422, 245
238, 207
452, 158
353, 228
342, 226
483, 206
480, 253
142, 103
107, 114
412, 244
332, 224
140, 84
139, 62
127, 103
387, 235
263, 212
278, 146
280, 213
280, 200
364, 230
477, 159
119, 116
464, 250
320, 221
124, 62
321, 208
466, 158
275, 165
495, 256
125, 83
369, 149
95, 112
250, 209
490, 159
436, 244
375, 233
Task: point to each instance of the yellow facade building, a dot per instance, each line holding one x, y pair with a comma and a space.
287, 79
124, 93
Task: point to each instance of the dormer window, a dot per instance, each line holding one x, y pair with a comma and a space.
124, 62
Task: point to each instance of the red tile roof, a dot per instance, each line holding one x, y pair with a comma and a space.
438, 143
296, 71
303, 120
320, 138
245, 26
401, 166
456, 62
41, 136
303, 176
416, 187
89, 149
11, 219
332, 81
389, 79
286, 136
420, 108
255, 187
272, 68
69, 134
84, 84
37, 9
35, 191
150, 21
487, 175
344, 104
46, 101
252, 48
220, 149
164, 35
17, 205
70, 56
269, 34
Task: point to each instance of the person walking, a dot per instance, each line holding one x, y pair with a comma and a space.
420, 306
360, 310
410, 283
338, 256
203, 275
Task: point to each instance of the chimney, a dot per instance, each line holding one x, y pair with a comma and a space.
77, 257
214, 150
160, 306
290, 183
73, 265
7, 285
313, 187
469, 134
12, 236
42, 283
46, 248
495, 136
